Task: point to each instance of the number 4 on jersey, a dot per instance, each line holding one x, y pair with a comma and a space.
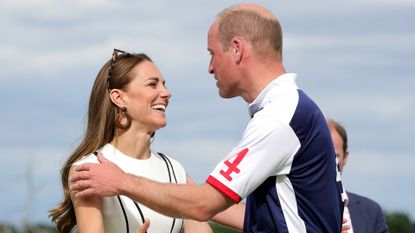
233, 166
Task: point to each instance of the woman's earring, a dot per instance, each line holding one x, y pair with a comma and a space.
123, 120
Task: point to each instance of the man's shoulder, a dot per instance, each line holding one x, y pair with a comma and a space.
359, 199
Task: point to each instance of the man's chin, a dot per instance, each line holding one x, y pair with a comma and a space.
225, 95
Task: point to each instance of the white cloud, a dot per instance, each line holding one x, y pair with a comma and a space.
380, 50
300, 42
383, 177
378, 163
385, 107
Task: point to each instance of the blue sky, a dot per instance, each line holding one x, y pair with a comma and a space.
356, 59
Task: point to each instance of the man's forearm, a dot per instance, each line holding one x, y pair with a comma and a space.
198, 202
177, 200
232, 217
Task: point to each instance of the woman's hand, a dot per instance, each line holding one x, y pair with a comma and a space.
144, 227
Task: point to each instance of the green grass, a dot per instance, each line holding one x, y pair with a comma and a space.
221, 229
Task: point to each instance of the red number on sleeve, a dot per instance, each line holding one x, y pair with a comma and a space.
233, 166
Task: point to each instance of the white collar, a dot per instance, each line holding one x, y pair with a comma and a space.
263, 97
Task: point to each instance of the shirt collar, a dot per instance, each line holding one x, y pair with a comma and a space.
264, 97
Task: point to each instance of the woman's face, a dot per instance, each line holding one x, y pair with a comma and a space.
147, 97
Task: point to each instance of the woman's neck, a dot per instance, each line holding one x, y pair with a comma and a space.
136, 145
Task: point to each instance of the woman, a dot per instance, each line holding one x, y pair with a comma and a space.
127, 105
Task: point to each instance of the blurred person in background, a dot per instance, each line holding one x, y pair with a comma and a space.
363, 215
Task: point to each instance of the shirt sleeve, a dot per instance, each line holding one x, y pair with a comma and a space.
266, 149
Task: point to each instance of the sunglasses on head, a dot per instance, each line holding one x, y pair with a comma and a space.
115, 54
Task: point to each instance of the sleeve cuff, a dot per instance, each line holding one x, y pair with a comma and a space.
224, 189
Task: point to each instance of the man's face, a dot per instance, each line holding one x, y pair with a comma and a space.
341, 155
221, 65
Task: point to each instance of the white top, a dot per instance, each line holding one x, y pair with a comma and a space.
155, 168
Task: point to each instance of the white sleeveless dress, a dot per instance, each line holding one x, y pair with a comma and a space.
120, 213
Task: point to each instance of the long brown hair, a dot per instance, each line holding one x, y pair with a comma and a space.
100, 127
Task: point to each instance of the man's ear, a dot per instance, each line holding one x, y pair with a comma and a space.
237, 48
346, 156
118, 97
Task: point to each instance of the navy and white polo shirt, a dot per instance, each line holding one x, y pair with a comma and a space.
284, 165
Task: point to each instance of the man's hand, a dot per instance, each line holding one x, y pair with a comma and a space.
345, 226
103, 179
144, 227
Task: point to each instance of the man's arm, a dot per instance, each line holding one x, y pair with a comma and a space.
191, 226
232, 217
380, 225
198, 202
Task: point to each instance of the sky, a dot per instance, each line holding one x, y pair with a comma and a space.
355, 58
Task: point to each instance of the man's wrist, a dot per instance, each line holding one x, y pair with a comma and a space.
127, 184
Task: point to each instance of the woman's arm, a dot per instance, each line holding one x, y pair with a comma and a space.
88, 212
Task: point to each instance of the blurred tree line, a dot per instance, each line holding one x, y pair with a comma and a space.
397, 222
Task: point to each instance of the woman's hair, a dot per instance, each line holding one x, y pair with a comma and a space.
100, 127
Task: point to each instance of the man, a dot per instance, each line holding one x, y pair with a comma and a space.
363, 215
284, 164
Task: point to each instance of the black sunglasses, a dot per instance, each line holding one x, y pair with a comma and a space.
115, 54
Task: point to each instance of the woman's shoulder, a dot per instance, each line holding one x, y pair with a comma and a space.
90, 158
